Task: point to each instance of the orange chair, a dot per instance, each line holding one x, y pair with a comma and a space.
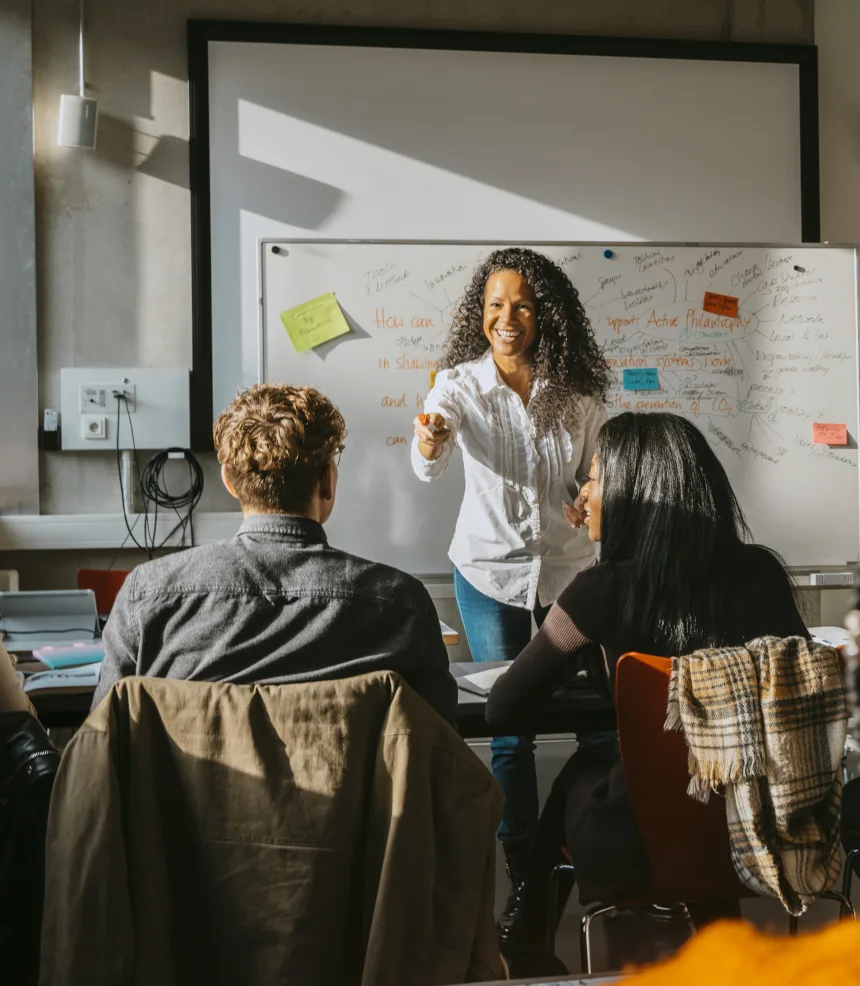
105, 583
687, 841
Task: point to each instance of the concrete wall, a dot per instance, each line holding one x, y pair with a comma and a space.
19, 399
837, 34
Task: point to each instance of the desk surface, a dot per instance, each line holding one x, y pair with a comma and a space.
449, 635
566, 712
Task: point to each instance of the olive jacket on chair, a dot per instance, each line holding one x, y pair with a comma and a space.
332, 832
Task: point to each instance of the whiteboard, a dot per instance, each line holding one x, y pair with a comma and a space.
342, 142
754, 384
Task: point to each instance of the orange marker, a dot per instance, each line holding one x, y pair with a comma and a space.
425, 420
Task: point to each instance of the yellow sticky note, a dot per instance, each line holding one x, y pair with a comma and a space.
432, 379
314, 322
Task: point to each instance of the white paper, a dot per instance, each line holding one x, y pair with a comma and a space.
86, 676
486, 679
832, 636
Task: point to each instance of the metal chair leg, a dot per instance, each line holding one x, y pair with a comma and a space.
846, 908
552, 915
585, 937
848, 871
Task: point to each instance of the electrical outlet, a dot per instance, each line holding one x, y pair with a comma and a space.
152, 412
97, 397
94, 426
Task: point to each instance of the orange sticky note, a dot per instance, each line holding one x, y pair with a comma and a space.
829, 434
720, 304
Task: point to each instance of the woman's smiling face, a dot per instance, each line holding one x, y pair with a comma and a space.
510, 314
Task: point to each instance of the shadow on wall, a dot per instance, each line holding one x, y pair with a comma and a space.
280, 194
470, 125
128, 148
283, 195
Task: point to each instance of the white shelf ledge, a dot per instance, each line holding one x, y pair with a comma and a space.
51, 532
81, 532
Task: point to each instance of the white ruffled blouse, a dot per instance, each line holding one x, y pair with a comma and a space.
512, 541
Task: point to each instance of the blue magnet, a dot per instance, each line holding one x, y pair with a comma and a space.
608, 254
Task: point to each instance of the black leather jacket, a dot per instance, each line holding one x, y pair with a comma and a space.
28, 762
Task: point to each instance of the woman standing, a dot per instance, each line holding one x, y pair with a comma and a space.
521, 394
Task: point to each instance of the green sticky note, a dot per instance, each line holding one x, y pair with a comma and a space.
314, 322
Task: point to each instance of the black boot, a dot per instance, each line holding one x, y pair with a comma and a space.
529, 864
518, 860
522, 926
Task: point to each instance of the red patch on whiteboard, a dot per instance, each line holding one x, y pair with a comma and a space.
720, 304
829, 434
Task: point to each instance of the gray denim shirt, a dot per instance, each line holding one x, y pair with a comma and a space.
273, 605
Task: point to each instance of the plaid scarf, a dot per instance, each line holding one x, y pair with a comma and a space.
766, 724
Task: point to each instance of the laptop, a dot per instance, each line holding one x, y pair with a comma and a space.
31, 620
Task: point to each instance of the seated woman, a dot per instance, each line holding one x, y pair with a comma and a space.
676, 573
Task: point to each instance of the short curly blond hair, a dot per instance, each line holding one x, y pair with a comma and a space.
274, 442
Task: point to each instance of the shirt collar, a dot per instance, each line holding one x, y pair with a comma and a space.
486, 373
285, 525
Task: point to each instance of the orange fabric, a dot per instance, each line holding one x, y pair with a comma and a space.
687, 841
105, 583
732, 953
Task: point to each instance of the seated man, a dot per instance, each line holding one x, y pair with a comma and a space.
277, 604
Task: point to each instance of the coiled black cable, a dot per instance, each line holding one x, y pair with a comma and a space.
153, 490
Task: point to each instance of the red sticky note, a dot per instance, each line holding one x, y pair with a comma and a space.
720, 304
829, 434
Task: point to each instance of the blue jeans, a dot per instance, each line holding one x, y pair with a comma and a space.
498, 632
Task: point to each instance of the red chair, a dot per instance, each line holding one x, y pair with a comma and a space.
687, 841
105, 583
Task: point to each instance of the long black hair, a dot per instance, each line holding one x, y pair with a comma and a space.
566, 357
669, 509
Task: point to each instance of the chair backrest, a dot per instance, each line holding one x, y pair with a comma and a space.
105, 583
322, 832
687, 841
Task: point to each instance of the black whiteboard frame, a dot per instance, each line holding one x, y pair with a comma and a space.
202, 32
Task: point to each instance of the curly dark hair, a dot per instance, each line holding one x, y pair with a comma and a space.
567, 356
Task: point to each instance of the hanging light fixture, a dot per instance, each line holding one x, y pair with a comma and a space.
78, 115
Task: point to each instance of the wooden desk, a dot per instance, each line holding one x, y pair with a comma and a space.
567, 712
